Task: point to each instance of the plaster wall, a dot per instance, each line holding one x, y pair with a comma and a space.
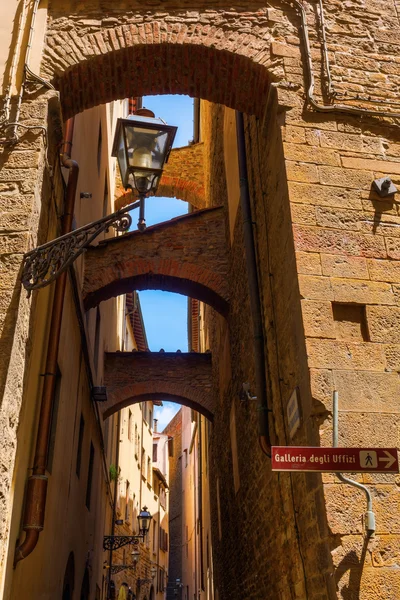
66, 512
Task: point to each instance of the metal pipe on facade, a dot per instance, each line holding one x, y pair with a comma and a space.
33, 520
26, 64
370, 515
332, 108
7, 101
255, 304
114, 508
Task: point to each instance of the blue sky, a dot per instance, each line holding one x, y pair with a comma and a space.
165, 314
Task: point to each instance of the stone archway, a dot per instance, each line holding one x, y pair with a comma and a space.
186, 255
132, 377
205, 56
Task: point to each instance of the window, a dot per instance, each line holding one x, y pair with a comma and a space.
53, 427
154, 536
80, 441
149, 470
143, 463
137, 442
130, 425
155, 453
161, 580
150, 419
127, 502
90, 476
164, 540
163, 497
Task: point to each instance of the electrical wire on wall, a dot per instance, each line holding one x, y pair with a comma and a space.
28, 75
310, 89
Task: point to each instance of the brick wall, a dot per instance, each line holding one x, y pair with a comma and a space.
330, 323
136, 376
186, 255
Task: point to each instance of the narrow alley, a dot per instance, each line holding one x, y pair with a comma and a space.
199, 300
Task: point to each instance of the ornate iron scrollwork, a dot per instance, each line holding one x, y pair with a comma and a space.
118, 568
45, 263
113, 542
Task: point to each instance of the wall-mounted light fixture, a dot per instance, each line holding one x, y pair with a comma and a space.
142, 145
113, 542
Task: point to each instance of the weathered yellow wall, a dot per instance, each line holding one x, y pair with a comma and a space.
78, 528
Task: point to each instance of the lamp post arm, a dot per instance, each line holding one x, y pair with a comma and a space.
45, 263
113, 542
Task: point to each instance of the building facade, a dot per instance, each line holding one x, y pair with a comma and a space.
303, 301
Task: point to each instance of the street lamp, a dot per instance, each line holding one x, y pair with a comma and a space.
113, 542
147, 580
142, 145
144, 519
135, 557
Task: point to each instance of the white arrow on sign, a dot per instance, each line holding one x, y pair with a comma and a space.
389, 459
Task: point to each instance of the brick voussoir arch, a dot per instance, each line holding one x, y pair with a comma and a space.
91, 64
132, 377
186, 255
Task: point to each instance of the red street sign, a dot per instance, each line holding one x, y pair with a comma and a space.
335, 460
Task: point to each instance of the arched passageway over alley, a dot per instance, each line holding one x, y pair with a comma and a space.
92, 60
186, 255
132, 377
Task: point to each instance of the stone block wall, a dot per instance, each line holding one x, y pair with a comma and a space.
330, 320
26, 194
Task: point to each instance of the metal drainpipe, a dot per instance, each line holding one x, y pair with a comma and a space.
369, 515
33, 519
255, 304
114, 510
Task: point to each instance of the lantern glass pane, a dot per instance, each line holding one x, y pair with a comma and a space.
146, 147
121, 155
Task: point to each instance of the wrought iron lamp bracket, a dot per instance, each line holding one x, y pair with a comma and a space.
113, 542
45, 263
118, 568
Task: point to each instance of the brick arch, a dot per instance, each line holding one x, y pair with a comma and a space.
186, 255
132, 377
182, 178
157, 396
92, 63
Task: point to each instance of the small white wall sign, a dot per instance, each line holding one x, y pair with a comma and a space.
293, 413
